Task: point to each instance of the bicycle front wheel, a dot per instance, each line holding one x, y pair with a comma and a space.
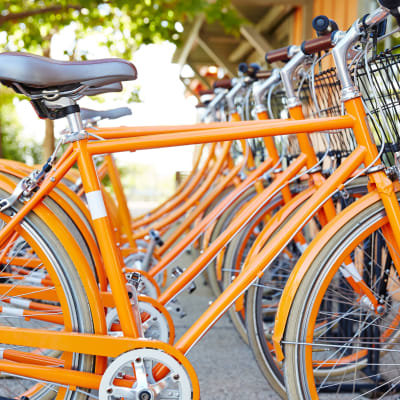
336, 340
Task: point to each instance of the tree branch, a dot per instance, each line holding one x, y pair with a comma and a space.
45, 10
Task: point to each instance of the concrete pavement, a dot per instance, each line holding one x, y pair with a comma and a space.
224, 363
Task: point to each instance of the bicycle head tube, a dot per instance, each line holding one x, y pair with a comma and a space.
260, 88
230, 97
343, 42
297, 57
220, 94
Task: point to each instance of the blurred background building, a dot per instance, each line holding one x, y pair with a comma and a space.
212, 53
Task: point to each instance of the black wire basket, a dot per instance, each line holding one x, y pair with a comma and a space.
320, 96
378, 81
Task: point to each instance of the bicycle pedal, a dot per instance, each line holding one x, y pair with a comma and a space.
134, 278
154, 235
132, 285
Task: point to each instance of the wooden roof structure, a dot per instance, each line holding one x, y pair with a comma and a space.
270, 24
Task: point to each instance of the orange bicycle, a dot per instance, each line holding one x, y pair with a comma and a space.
140, 367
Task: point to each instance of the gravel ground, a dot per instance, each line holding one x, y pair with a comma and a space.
224, 363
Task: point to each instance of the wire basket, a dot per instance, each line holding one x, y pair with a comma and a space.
378, 81
320, 96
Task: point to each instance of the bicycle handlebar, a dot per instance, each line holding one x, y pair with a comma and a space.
308, 47
393, 6
223, 84
263, 74
281, 54
325, 42
318, 44
205, 91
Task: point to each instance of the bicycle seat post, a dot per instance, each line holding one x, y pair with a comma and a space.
75, 121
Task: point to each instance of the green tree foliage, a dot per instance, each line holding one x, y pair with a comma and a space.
30, 24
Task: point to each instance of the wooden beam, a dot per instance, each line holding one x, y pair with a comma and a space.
282, 36
216, 58
275, 14
270, 18
190, 40
254, 57
296, 35
224, 40
255, 39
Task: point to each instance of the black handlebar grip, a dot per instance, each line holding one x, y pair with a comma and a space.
253, 69
390, 4
323, 25
320, 23
249, 70
243, 68
255, 66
